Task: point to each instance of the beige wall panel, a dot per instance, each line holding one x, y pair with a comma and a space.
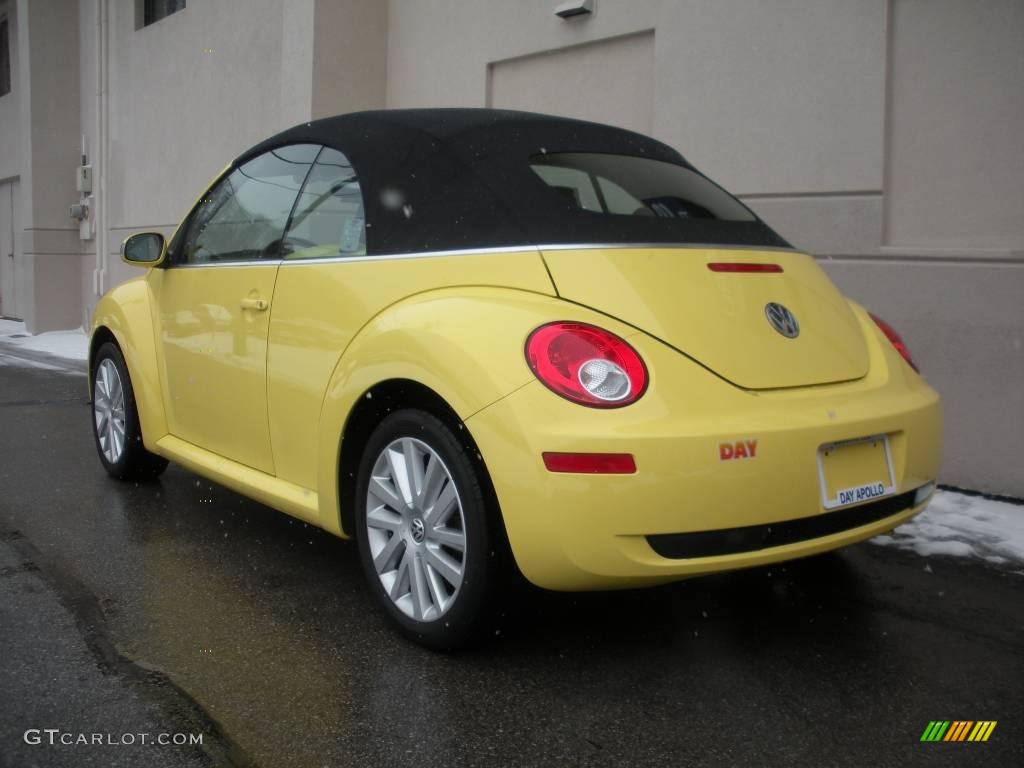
776, 96
54, 99
52, 241
296, 81
825, 224
8, 264
782, 101
565, 81
18, 268
50, 268
350, 56
956, 177
438, 51
178, 114
55, 282
964, 324
88, 111
23, 84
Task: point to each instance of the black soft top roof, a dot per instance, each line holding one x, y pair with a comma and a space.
452, 179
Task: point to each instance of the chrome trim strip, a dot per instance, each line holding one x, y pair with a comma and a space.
534, 249
672, 246
222, 264
423, 255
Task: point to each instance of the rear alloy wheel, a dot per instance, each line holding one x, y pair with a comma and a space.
115, 420
423, 530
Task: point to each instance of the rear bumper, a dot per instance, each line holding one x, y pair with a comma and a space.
578, 532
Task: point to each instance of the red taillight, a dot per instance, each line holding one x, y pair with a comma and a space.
895, 339
586, 364
591, 463
735, 266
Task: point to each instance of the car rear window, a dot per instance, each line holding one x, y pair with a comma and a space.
626, 185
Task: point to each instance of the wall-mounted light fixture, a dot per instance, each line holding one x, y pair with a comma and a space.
573, 8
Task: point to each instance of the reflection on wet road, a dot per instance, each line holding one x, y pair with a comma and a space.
265, 624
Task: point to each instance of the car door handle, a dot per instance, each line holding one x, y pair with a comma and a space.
257, 305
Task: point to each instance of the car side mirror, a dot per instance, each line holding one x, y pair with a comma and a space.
146, 249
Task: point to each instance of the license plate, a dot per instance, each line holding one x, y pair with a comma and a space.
855, 471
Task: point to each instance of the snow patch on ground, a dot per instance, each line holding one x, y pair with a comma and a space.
6, 359
958, 525
70, 345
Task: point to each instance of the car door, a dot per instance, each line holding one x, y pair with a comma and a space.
215, 303
321, 310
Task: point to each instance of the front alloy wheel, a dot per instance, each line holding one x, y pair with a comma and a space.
115, 420
423, 529
108, 410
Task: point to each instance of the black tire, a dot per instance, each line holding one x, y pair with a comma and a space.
134, 462
469, 613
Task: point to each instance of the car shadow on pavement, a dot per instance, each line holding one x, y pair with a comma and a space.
271, 562
818, 596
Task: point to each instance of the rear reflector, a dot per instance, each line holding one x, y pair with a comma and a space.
736, 266
923, 493
895, 339
591, 463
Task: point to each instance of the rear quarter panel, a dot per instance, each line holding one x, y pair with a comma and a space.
449, 322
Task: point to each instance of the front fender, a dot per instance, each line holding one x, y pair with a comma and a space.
466, 345
127, 312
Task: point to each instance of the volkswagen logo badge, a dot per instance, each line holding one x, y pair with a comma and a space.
782, 320
418, 529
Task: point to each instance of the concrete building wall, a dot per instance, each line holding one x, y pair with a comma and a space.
350, 56
948, 265
12, 271
565, 80
10, 103
880, 135
956, 148
40, 122
186, 95
783, 102
192, 91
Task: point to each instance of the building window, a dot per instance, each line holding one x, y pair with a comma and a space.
5, 58
154, 10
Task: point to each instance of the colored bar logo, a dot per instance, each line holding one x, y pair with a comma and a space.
958, 730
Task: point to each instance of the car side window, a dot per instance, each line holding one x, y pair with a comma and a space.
243, 217
576, 186
329, 219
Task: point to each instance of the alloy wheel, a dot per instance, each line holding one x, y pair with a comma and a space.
108, 410
416, 529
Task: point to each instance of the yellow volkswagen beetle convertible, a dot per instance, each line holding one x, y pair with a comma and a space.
455, 334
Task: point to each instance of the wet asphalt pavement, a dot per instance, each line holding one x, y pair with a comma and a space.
180, 607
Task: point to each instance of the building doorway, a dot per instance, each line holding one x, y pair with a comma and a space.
10, 249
